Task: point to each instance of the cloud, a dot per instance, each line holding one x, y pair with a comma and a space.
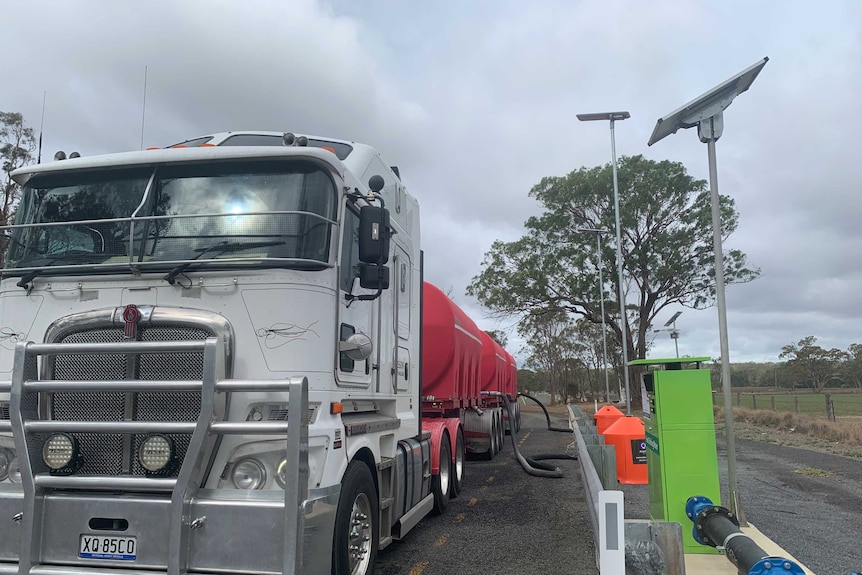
476, 102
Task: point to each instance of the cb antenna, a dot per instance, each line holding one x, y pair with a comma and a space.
41, 127
144, 107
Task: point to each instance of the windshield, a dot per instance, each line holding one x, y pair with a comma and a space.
284, 211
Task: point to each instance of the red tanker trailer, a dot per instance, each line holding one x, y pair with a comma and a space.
459, 362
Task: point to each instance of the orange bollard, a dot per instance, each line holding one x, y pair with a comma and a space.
607, 416
628, 437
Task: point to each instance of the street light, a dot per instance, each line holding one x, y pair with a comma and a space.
707, 113
674, 333
599, 233
613, 117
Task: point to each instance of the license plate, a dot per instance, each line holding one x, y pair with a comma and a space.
104, 547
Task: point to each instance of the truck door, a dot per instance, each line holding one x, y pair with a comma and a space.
354, 316
402, 290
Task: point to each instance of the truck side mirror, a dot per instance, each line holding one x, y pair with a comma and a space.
374, 234
373, 276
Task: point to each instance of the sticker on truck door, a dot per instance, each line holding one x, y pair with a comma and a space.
104, 547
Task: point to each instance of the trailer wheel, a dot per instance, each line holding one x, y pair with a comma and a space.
460, 455
356, 523
487, 426
495, 436
441, 484
501, 431
517, 416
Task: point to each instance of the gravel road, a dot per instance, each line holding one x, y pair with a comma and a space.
505, 522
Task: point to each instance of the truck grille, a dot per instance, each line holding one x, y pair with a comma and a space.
4, 410
111, 454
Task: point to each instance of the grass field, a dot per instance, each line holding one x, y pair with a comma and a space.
846, 404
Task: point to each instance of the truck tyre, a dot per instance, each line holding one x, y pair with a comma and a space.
441, 484
458, 471
488, 427
517, 416
501, 431
357, 529
495, 435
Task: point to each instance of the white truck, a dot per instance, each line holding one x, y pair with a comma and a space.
210, 363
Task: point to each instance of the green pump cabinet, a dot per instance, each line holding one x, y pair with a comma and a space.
680, 436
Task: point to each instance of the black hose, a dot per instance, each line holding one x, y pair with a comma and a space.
547, 415
531, 465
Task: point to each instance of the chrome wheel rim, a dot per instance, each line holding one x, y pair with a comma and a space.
445, 465
359, 539
459, 459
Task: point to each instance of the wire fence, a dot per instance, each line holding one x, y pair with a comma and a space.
821, 404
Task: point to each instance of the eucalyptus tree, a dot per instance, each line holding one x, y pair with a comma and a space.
551, 347
17, 144
813, 365
667, 250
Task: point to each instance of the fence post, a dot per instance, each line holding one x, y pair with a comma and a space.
830, 408
796, 403
772, 401
754, 401
739, 399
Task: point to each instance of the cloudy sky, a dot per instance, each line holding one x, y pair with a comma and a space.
475, 101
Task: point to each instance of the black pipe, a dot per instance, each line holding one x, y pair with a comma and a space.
531, 464
547, 415
718, 527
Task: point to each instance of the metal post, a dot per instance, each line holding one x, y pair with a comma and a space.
604, 329
733, 486
623, 320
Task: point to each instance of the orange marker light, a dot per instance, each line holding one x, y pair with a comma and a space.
207, 145
328, 149
335, 408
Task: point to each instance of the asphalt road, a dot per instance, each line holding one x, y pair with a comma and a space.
808, 502
505, 522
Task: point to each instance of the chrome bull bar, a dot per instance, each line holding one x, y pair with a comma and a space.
26, 426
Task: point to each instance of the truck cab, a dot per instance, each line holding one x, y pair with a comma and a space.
210, 361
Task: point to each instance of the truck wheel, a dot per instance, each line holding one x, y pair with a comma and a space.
488, 427
495, 435
458, 472
441, 484
517, 416
356, 523
501, 432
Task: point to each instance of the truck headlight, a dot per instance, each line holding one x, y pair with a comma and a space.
14, 471
281, 473
156, 452
59, 451
6, 457
249, 474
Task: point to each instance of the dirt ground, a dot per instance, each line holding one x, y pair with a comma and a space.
744, 430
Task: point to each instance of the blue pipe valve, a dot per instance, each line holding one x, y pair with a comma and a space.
699, 508
775, 566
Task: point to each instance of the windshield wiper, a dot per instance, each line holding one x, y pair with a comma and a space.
75, 256
219, 248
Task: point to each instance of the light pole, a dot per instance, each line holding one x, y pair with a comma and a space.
599, 233
613, 117
707, 113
